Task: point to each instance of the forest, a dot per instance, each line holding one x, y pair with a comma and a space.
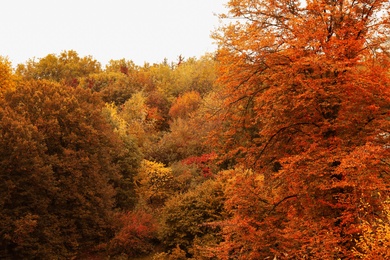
276, 146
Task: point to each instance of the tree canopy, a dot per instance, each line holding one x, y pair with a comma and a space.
276, 146
307, 94
58, 160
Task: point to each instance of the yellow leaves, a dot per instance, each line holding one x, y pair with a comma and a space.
135, 112
374, 242
154, 172
7, 79
110, 112
135, 109
154, 182
66, 68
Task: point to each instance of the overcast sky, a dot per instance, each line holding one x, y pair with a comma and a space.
137, 30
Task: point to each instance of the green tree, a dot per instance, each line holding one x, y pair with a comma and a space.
186, 138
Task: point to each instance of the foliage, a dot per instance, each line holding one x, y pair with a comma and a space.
184, 140
248, 202
159, 105
374, 243
112, 86
188, 135
203, 163
58, 157
135, 235
186, 176
141, 121
129, 159
185, 104
66, 68
154, 183
174, 254
185, 217
123, 66
192, 75
306, 94
7, 79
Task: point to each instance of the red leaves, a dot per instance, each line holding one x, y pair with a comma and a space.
135, 234
203, 162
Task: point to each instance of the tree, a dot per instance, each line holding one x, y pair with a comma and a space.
193, 75
27, 183
128, 158
185, 104
117, 83
7, 78
306, 91
375, 240
67, 68
184, 140
185, 217
112, 86
123, 66
154, 183
135, 235
58, 160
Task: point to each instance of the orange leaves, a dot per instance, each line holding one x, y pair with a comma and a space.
306, 92
184, 105
7, 79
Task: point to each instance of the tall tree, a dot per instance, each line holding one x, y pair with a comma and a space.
307, 106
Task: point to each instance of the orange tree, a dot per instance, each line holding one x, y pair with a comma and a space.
306, 89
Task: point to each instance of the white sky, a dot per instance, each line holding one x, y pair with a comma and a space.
137, 30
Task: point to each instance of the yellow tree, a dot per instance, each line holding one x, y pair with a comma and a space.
306, 89
7, 79
154, 183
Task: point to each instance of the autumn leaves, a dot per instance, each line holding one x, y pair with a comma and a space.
277, 146
301, 82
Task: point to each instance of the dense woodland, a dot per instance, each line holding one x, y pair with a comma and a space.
274, 147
